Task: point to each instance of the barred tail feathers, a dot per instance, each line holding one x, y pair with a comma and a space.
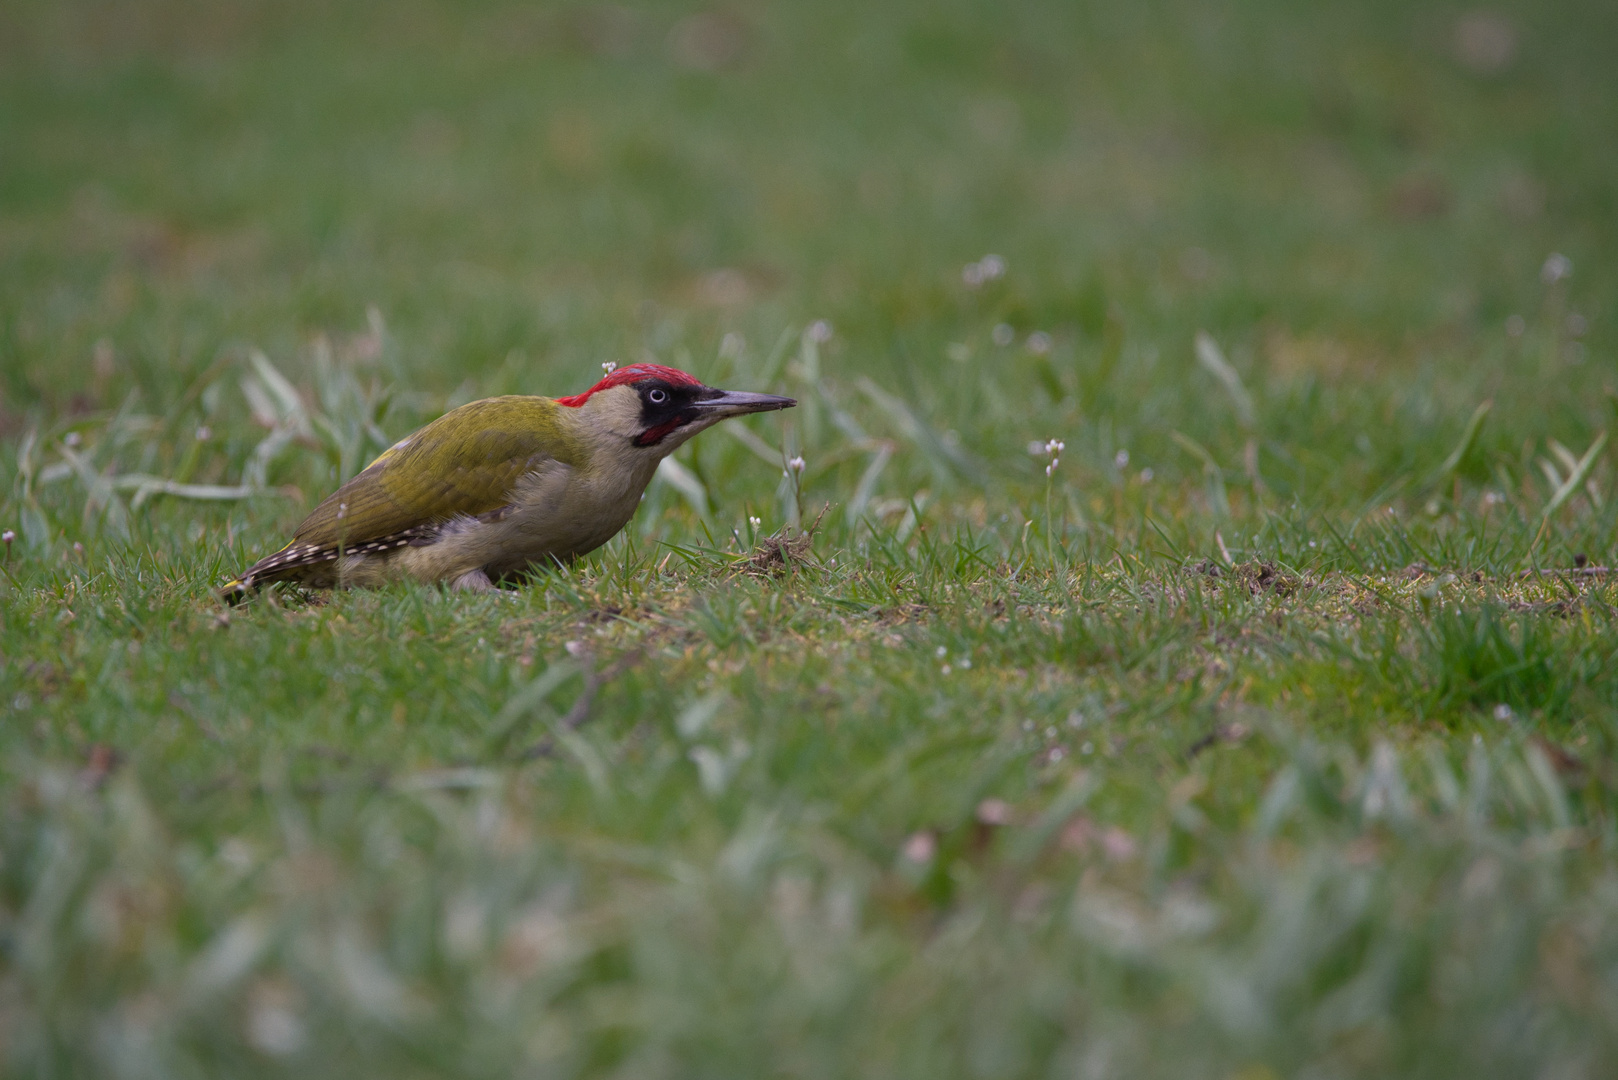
238, 589
295, 556
234, 592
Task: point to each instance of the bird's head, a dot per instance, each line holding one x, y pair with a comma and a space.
655, 408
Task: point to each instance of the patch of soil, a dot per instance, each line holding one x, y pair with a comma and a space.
1258, 577
773, 554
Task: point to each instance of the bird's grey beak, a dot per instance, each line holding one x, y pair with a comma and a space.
739, 402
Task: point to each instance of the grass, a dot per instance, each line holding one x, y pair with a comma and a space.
1268, 734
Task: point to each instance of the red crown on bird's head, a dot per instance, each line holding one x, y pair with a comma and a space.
628, 376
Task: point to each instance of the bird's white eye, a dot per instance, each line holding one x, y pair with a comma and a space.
657, 397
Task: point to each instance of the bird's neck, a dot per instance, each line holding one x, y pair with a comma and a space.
606, 424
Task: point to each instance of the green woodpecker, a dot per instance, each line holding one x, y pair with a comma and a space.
500, 485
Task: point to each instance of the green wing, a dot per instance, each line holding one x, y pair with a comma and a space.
467, 462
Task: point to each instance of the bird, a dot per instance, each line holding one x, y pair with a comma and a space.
499, 486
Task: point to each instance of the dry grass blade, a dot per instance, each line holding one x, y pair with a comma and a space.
1575, 478
867, 485
1212, 358
946, 461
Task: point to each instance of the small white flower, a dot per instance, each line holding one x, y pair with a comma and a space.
1121, 459
985, 269
609, 366
1057, 754
1146, 475
7, 537
941, 652
204, 433
1502, 712
72, 439
819, 332
275, 1028
994, 812
966, 664
1003, 335
755, 522
1039, 343
1050, 470
1055, 446
944, 670
1557, 267
796, 465
920, 847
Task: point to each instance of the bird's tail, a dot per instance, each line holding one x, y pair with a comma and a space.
235, 591
240, 588
267, 569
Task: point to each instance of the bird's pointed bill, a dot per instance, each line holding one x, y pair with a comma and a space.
740, 402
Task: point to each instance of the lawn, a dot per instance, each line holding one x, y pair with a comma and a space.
1263, 728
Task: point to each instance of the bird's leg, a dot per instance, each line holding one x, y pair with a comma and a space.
472, 581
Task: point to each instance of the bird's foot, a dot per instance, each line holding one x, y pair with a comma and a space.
472, 581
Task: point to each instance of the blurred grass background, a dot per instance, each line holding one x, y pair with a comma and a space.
1239, 746
1345, 199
